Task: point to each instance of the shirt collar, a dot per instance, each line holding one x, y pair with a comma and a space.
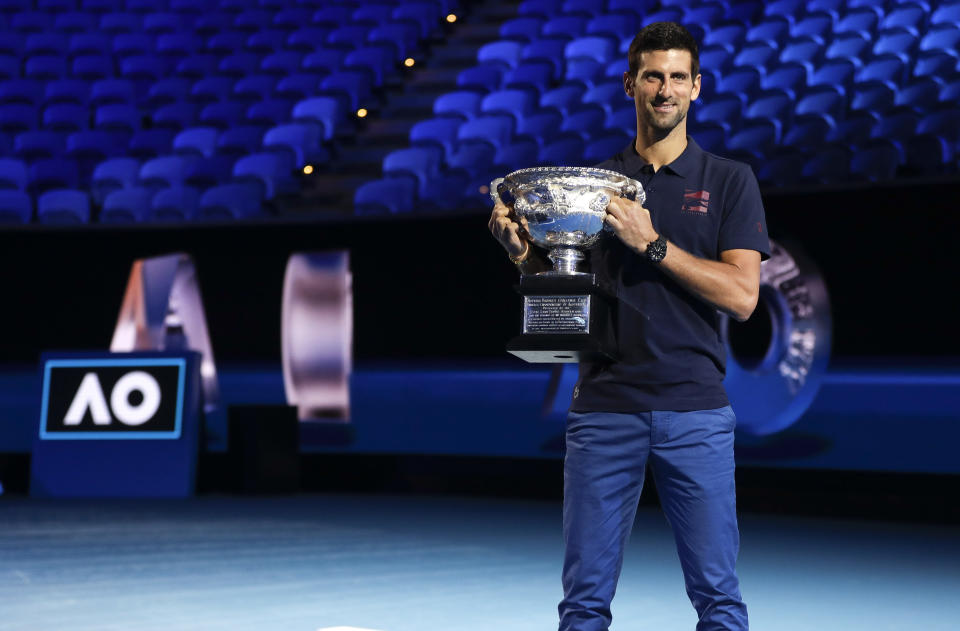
684, 164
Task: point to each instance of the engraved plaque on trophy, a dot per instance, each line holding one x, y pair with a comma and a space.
567, 314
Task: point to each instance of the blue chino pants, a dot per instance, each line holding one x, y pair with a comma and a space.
691, 457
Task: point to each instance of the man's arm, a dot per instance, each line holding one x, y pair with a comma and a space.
731, 284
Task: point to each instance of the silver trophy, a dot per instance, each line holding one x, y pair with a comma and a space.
563, 208
567, 314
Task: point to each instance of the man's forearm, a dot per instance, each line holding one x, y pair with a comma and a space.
724, 284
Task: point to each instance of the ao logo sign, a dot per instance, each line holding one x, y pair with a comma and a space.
90, 397
112, 398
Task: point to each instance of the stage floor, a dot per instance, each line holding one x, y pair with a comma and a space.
415, 563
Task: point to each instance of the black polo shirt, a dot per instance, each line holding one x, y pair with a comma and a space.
671, 355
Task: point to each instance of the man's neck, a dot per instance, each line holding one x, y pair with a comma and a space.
660, 151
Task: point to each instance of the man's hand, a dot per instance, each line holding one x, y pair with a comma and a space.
507, 231
631, 222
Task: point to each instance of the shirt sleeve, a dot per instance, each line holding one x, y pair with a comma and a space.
744, 223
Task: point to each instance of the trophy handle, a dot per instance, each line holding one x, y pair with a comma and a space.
494, 192
630, 192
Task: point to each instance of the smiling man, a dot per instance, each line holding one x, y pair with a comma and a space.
690, 252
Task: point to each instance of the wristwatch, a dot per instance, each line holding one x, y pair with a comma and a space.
656, 250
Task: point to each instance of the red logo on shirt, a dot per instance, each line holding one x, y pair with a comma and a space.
696, 201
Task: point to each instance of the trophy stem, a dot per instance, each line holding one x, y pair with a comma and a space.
565, 260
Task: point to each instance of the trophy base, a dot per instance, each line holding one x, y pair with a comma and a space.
567, 318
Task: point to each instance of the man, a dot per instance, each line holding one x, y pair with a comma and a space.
692, 250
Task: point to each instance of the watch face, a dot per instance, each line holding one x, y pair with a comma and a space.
656, 250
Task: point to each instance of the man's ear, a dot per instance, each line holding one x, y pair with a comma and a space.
696, 88
628, 84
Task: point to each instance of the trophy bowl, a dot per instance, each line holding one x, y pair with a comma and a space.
563, 208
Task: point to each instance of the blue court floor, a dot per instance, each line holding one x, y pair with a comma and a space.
416, 563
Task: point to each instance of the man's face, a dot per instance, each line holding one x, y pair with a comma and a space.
663, 88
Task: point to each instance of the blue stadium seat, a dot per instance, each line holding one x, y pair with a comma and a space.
108, 91
305, 38
240, 140
239, 65
873, 96
45, 67
419, 163
223, 115
15, 206
74, 22
946, 14
269, 113
827, 101
515, 103
620, 27
284, 62
66, 117
52, 173
717, 57
252, 19
90, 147
74, 91
546, 50
854, 129
175, 46
899, 126
352, 88
540, 125
38, 144
290, 18
584, 8
267, 41
482, 79
11, 46
302, 140
208, 172
743, 82
146, 144
374, 59
605, 146
860, 21
23, 91
226, 42
920, 95
885, 68
772, 30
399, 38
440, 132
494, 129
609, 95
522, 29
563, 99
808, 132
462, 104
564, 151
785, 8
539, 8
519, 154
211, 90
253, 88
111, 175
848, 46
533, 76
166, 171
877, 161
13, 174
31, 21
597, 47
118, 22
273, 169
168, 90
392, 195
143, 70
331, 15
323, 61
175, 116
935, 64
837, 73
201, 141
132, 44
901, 43
711, 137
588, 121
48, 43
706, 13
95, 43
346, 35
757, 138
587, 72
235, 200
814, 24
174, 204
746, 12
423, 14
17, 117
129, 205
124, 118
944, 123
92, 67
323, 110
98, 7
297, 87
502, 54
475, 159
771, 105
944, 38
928, 154
724, 110
829, 166
756, 56
906, 16
782, 169
803, 50
63, 207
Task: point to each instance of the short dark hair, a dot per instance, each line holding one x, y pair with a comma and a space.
663, 36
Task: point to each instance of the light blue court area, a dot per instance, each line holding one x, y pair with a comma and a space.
400, 563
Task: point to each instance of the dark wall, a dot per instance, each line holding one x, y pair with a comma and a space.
440, 286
